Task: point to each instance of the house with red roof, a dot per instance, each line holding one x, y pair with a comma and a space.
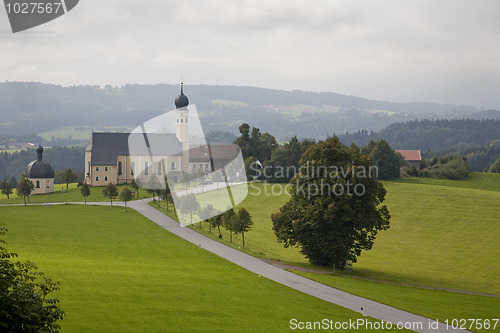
411, 156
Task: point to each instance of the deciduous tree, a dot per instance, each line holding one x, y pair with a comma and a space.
6, 187
330, 223
67, 176
242, 223
126, 195
189, 205
110, 191
228, 220
24, 188
85, 191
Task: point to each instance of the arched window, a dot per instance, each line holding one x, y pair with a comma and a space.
159, 168
132, 168
37, 184
146, 167
172, 166
119, 168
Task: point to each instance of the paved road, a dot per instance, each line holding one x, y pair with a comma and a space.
329, 294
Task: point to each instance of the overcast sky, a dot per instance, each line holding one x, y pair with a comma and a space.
395, 50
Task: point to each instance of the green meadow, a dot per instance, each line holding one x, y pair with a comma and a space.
443, 235
61, 194
120, 272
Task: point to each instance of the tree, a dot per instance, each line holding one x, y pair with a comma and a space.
110, 191
24, 188
228, 221
216, 221
126, 195
335, 208
495, 167
285, 159
67, 176
166, 193
384, 158
24, 302
189, 205
6, 187
85, 191
242, 223
206, 213
135, 187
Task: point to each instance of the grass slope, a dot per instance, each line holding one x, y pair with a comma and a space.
443, 234
122, 273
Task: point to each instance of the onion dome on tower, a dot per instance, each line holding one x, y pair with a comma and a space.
39, 168
181, 101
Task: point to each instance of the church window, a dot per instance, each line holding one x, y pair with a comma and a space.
182, 120
96, 168
159, 168
119, 168
186, 121
106, 179
37, 184
172, 166
132, 167
96, 179
105, 168
146, 168
177, 121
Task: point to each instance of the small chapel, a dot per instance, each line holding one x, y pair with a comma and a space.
41, 174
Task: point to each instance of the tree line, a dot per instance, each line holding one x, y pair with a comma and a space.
60, 158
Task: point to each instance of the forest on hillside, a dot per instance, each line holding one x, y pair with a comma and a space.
478, 140
34, 107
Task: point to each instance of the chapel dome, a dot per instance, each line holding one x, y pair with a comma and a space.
39, 168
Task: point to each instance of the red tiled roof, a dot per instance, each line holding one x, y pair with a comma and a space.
410, 155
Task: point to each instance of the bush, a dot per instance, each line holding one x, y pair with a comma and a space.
454, 169
495, 167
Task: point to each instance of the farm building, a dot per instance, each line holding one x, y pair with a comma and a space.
411, 156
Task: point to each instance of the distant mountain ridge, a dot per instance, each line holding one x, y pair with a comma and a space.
33, 107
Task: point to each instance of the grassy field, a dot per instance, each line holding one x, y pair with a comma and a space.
119, 272
443, 235
62, 195
78, 132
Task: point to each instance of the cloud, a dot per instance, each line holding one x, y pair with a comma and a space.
373, 49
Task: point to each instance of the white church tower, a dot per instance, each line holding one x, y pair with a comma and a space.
182, 126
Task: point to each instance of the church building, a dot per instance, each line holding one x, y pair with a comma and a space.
109, 158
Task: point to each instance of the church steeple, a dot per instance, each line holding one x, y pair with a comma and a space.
181, 117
